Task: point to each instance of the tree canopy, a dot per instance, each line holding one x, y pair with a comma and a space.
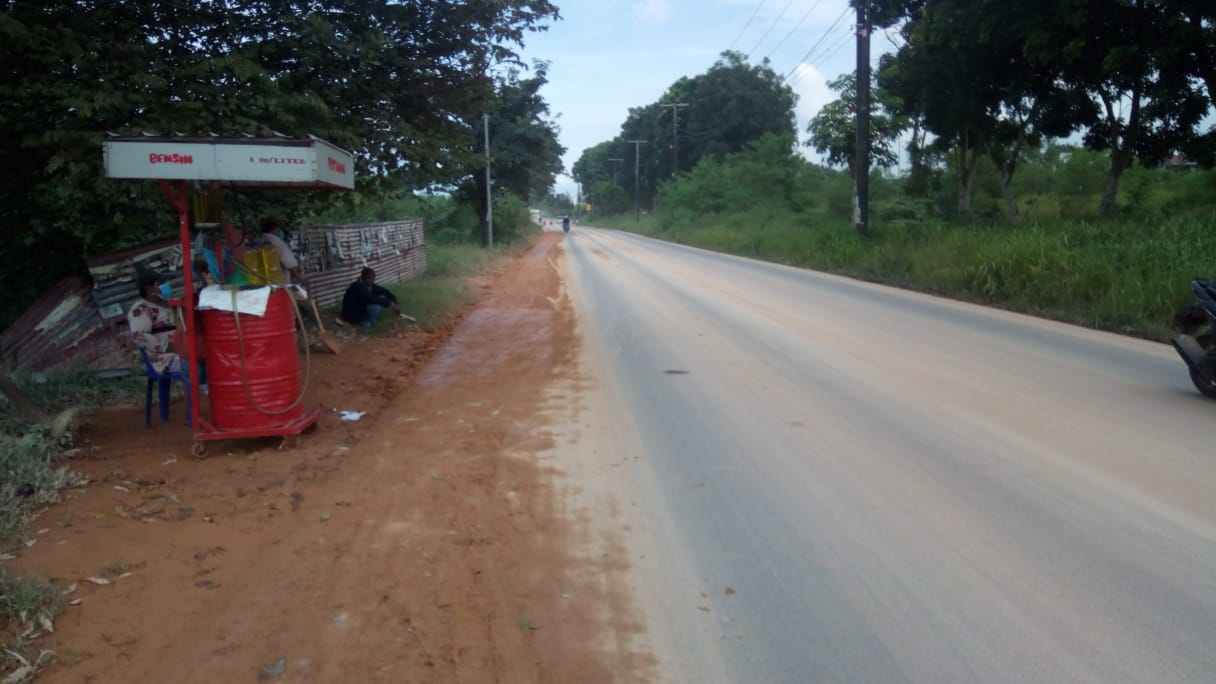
833, 129
992, 77
396, 82
731, 105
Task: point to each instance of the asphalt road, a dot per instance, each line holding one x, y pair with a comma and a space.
830, 481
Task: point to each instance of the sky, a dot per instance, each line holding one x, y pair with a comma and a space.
609, 55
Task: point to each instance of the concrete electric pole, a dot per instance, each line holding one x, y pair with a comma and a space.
637, 179
675, 135
489, 190
861, 206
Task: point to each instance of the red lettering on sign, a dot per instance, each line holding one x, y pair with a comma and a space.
172, 158
336, 166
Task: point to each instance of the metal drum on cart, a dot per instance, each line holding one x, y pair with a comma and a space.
254, 371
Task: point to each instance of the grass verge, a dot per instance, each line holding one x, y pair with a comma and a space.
1128, 275
444, 288
33, 474
28, 608
33, 454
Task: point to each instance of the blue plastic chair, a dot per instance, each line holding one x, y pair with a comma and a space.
165, 381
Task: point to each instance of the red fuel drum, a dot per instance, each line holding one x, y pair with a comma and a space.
272, 366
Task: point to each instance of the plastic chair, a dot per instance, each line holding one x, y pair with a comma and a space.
165, 381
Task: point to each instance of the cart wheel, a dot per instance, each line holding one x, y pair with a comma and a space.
198, 449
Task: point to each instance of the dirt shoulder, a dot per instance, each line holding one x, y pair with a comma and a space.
428, 542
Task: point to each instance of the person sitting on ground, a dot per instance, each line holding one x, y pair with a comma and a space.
364, 300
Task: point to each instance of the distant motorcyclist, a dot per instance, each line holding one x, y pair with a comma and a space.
565, 224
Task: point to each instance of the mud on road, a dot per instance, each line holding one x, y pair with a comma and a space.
431, 542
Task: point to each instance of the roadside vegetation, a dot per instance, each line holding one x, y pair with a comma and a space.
36, 448
1056, 161
454, 250
1128, 273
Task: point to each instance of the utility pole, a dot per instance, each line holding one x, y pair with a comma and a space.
637, 182
861, 169
675, 136
489, 191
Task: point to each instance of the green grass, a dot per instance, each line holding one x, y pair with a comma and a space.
32, 462
26, 607
647, 225
443, 289
32, 475
1127, 275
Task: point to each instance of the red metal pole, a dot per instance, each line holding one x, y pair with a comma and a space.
178, 194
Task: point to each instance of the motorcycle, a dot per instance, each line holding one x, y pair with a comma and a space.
1196, 339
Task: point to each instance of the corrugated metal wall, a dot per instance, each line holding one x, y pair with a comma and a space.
79, 322
332, 256
63, 324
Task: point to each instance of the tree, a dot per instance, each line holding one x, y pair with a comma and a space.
967, 70
997, 76
606, 197
559, 204
731, 105
526, 156
943, 73
1031, 102
393, 81
595, 164
834, 129
1132, 58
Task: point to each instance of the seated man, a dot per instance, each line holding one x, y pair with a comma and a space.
365, 300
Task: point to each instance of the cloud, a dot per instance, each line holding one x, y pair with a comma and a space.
813, 93
652, 11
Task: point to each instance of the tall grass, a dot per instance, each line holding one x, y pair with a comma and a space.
444, 288
1128, 275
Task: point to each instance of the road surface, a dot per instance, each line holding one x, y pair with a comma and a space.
829, 481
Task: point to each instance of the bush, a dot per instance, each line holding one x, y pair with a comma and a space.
1128, 274
27, 608
32, 473
458, 224
30, 476
512, 220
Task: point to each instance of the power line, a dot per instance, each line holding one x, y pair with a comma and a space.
829, 51
795, 29
771, 27
817, 43
747, 25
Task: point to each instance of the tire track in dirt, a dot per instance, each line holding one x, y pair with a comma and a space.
444, 551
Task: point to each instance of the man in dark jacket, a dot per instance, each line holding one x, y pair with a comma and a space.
365, 300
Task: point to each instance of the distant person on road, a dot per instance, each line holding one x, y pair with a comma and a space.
565, 224
364, 300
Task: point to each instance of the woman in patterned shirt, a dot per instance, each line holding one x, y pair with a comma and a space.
153, 323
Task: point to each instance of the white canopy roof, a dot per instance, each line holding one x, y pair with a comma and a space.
303, 163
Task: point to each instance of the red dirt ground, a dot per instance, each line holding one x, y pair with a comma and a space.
425, 543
